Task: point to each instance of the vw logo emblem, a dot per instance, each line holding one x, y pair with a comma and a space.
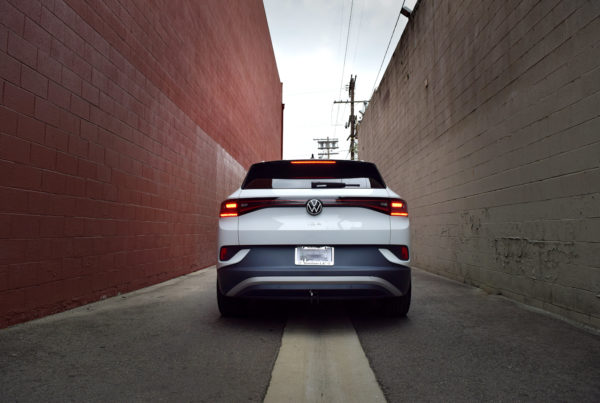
314, 207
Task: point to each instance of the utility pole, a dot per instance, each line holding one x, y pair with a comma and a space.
352, 120
352, 117
327, 147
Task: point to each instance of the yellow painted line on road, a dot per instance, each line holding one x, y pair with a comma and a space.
321, 360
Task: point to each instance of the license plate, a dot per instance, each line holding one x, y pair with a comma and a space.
314, 255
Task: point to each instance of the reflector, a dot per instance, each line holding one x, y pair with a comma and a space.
404, 252
227, 252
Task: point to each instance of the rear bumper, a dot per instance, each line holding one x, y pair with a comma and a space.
366, 271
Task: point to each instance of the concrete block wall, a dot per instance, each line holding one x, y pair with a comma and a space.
123, 124
487, 121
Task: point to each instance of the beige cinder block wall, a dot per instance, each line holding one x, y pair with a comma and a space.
487, 121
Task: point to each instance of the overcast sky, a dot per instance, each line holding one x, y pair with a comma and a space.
309, 38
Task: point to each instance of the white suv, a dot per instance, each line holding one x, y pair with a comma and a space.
313, 229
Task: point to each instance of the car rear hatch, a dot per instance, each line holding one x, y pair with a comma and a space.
284, 216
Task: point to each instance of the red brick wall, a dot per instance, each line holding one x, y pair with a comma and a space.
123, 123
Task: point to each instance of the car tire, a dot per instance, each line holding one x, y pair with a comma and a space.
397, 307
228, 306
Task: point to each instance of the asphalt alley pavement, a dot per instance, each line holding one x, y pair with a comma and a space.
168, 343
460, 344
164, 343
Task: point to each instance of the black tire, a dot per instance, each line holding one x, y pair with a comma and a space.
228, 306
397, 307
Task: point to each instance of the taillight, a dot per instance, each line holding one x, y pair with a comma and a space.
398, 208
238, 207
229, 208
313, 162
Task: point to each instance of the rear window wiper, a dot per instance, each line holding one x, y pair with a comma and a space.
324, 185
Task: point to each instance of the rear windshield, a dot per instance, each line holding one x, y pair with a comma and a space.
313, 174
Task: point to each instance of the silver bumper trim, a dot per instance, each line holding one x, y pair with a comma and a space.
238, 257
333, 280
391, 257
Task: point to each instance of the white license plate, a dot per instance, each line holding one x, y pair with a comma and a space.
314, 255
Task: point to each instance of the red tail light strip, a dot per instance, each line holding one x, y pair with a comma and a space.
313, 162
234, 208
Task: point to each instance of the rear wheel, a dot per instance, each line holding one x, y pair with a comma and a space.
398, 306
228, 306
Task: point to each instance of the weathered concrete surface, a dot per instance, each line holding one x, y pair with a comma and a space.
163, 343
461, 344
487, 122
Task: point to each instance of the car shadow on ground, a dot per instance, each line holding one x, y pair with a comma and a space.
367, 312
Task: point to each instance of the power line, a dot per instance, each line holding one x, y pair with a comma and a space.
361, 9
388, 45
347, 42
345, 54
